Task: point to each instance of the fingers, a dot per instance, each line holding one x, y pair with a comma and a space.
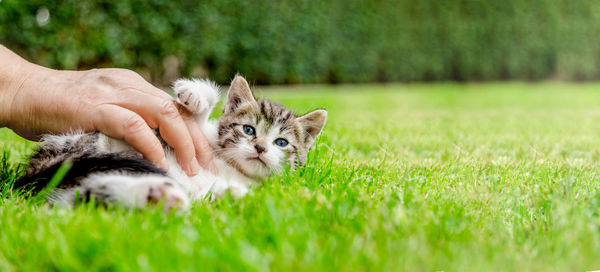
175, 132
204, 152
122, 123
163, 114
158, 109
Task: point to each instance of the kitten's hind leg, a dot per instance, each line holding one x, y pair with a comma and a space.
128, 190
199, 96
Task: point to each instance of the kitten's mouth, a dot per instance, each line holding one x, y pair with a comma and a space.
259, 160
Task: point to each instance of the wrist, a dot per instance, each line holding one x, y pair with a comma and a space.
12, 77
16, 87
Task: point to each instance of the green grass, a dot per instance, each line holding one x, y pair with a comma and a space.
405, 177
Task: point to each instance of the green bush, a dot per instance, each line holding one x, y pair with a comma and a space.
304, 41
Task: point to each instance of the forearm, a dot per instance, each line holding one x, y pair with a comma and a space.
13, 73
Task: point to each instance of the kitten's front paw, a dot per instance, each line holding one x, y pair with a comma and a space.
196, 95
170, 194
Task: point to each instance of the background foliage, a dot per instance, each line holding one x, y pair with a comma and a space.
467, 177
304, 41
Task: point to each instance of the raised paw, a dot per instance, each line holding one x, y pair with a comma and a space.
170, 194
196, 95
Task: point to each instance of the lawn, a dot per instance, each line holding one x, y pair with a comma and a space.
425, 177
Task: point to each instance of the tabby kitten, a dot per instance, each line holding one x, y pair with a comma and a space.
252, 140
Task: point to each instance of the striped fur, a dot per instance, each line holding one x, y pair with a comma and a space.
111, 171
271, 120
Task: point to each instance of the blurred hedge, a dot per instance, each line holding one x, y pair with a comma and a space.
312, 41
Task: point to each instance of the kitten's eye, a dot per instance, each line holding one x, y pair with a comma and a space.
249, 130
281, 142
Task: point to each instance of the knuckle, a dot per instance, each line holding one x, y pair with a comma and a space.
107, 79
118, 70
101, 79
127, 73
168, 109
94, 71
108, 72
130, 73
186, 115
134, 123
91, 74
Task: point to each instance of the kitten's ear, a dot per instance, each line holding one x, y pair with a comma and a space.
312, 123
239, 93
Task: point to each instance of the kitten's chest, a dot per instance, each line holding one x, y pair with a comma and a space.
199, 186
205, 182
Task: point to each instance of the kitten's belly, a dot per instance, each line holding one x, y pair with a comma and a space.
197, 187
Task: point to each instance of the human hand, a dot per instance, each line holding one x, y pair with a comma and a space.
116, 102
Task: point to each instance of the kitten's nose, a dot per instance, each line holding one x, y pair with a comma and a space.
259, 148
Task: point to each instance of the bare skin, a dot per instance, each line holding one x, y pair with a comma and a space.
117, 102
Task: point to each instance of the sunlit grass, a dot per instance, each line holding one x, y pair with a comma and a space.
405, 177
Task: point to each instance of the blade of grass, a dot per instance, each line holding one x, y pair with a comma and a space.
42, 196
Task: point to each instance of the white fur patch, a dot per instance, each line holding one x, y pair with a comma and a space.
199, 96
127, 190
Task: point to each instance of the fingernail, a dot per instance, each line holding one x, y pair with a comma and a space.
193, 167
164, 164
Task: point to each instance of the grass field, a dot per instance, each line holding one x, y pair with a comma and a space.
498, 176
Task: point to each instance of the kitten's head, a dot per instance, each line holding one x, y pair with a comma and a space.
261, 137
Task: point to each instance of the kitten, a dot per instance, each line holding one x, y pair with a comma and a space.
251, 140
